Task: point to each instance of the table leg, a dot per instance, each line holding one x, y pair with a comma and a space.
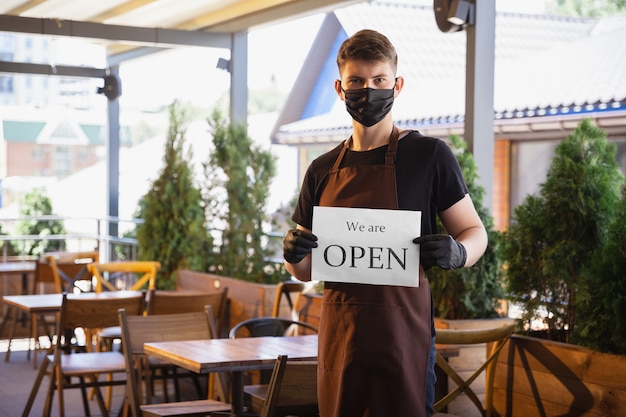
236, 390
10, 310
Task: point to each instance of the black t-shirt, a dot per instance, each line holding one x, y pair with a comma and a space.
428, 178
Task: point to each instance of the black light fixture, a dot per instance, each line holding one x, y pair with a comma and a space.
223, 64
461, 13
112, 87
454, 15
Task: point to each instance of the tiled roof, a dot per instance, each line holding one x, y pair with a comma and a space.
544, 64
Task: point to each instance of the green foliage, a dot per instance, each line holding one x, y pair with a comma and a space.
37, 204
173, 231
7, 247
601, 297
238, 176
555, 235
474, 292
586, 8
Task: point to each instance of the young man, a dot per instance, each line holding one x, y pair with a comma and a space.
376, 342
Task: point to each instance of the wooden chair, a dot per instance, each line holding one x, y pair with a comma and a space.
109, 274
292, 390
69, 270
137, 330
270, 326
495, 339
57, 272
176, 302
83, 311
285, 290
173, 302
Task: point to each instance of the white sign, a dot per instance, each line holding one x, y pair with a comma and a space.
366, 246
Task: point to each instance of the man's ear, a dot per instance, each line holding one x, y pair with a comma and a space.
338, 89
399, 85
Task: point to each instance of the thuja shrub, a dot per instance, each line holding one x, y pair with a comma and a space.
555, 235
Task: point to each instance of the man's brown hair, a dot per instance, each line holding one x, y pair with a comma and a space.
369, 46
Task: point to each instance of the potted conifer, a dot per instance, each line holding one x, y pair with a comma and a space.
558, 237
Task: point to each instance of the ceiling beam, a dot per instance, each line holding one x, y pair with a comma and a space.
138, 35
43, 69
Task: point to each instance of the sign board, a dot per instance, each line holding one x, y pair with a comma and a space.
366, 246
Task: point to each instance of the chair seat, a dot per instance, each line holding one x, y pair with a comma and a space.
97, 362
110, 332
184, 408
255, 395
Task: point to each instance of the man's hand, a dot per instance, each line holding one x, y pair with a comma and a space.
297, 244
441, 250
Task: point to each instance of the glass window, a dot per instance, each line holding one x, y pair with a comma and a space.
62, 161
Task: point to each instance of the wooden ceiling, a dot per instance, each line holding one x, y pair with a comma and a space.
124, 24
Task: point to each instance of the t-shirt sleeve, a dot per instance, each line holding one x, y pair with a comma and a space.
450, 185
303, 215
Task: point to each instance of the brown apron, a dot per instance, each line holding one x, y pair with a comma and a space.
374, 339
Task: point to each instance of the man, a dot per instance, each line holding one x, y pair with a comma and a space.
376, 342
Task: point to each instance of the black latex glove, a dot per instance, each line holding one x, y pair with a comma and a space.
297, 244
442, 251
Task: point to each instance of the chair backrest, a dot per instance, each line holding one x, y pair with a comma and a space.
495, 339
143, 273
137, 330
175, 302
44, 281
270, 326
69, 270
292, 389
289, 291
91, 311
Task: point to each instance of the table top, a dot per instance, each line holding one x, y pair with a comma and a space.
16, 267
218, 355
52, 302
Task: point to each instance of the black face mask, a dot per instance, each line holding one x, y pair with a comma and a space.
368, 106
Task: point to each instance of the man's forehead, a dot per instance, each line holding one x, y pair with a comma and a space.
365, 69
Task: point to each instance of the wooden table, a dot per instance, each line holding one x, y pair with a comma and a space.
13, 268
234, 356
38, 304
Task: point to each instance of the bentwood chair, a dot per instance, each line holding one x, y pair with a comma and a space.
82, 370
292, 390
495, 338
137, 330
269, 326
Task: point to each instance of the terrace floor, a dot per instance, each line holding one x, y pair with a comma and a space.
17, 377
16, 381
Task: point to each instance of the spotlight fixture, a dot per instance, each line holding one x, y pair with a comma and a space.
454, 15
223, 64
112, 87
461, 12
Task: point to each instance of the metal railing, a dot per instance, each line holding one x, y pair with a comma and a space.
82, 234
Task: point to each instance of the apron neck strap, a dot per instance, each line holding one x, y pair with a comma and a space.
390, 156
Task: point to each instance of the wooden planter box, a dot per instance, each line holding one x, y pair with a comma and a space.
535, 377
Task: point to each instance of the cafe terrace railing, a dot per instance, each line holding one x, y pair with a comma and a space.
82, 234
102, 234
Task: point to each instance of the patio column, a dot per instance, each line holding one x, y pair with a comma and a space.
479, 90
